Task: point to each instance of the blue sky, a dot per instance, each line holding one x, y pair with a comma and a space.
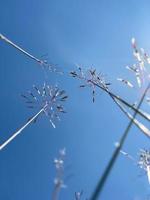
90, 33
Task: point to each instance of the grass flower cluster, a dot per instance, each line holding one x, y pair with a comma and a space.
48, 100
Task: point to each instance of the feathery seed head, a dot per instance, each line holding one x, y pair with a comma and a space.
47, 97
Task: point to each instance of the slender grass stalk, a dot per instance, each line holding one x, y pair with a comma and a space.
56, 192
119, 100
143, 128
20, 49
37, 60
22, 128
112, 161
114, 96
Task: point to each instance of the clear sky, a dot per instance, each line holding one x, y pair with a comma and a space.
91, 33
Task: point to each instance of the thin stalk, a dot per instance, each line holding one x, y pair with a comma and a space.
114, 96
112, 161
143, 128
21, 50
43, 63
21, 129
56, 192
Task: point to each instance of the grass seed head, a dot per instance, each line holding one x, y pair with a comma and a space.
90, 78
49, 98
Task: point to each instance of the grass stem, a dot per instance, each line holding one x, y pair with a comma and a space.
21, 129
114, 157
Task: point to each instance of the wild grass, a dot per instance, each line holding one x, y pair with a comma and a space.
49, 99
116, 153
59, 178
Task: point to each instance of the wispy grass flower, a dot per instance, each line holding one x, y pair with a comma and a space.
59, 178
90, 78
141, 68
48, 97
143, 161
142, 73
49, 102
94, 81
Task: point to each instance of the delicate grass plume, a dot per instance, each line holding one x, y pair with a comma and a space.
48, 100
